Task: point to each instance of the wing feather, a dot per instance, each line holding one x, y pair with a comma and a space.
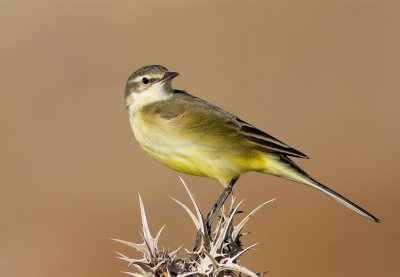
266, 142
222, 123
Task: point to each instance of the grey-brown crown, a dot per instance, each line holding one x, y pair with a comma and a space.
153, 70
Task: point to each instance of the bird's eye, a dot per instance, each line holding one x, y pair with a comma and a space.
145, 80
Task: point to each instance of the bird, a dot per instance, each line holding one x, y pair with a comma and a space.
190, 135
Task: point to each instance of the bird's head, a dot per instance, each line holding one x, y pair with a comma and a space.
148, 84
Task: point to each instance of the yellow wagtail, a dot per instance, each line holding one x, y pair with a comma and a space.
190, 135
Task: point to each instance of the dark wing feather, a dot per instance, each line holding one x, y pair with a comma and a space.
267, 143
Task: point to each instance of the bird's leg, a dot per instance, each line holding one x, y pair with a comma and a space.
213, 213
220, 202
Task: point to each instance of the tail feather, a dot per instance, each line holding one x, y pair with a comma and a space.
291, 171
343, 200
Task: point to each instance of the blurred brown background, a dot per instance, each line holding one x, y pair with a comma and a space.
322, 77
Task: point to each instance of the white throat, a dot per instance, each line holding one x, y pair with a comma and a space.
157, 92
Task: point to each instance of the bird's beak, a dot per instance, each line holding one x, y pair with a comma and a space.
169, 76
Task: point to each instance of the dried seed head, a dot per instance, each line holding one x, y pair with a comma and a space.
216, 254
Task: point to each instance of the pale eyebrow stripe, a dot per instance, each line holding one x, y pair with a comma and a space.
139, 78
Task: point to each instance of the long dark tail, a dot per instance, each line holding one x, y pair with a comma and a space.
342, 200
296, 174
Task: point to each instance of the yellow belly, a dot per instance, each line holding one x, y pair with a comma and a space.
206, 162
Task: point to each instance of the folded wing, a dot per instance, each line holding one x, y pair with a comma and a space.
204, 119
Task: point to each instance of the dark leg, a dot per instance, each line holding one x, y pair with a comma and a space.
220, 202
213, 213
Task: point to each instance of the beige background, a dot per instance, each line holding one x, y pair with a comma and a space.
322, 77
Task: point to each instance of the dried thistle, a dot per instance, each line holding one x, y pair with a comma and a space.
216, 253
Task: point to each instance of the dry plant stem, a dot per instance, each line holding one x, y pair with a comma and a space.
216, 256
